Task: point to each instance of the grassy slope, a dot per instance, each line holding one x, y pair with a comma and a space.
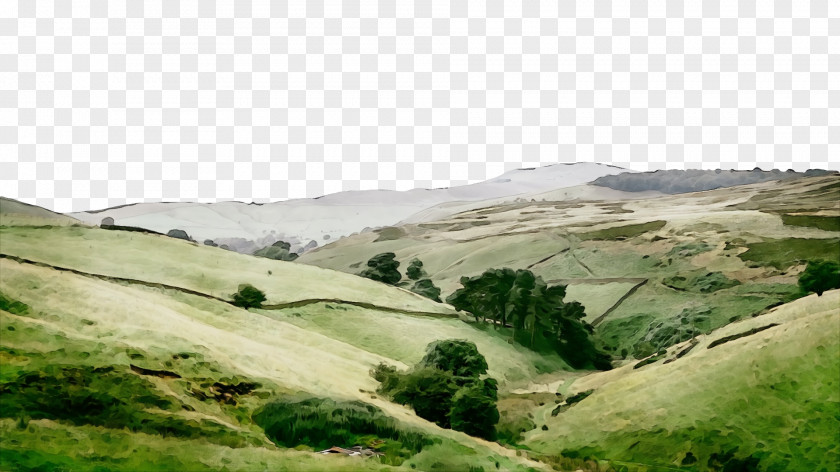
77, 320
15, 213
704, 232
208, 270
774, 393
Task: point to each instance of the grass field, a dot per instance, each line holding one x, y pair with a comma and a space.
196, 344
773, 394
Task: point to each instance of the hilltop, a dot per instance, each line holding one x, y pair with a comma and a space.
311, 222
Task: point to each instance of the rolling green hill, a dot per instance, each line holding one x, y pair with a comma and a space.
637, 266
122, 350
773, 395
167, 372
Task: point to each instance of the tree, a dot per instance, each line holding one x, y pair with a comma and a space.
426, 288
819, 277
429, 391
415, 271
445, 387
456, 356
248, 296
474, 412
279, 251
535, 311
383, 268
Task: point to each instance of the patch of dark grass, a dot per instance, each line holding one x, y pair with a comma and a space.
102, 396
707, 283
622, 232
13, 306
322, 423
825, 223
784, 253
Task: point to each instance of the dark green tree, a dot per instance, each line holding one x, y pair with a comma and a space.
415, 271
426, 288
279, 251
248, 296
429, 391
474, 412
820, 276
535, 311
456, 356
383, 268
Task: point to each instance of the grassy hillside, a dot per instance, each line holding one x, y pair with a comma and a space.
213, 271
14, 213
772, 394
642, 268
97, 372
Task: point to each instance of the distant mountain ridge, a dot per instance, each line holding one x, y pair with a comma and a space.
307, 223
694, 180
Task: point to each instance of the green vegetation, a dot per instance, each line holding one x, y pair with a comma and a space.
101, 396
773, 395
825, 223
13, 306
383, 268
415, 271
622, 232
783, 253
248, 296
279, 251
321, 423
536, 311
459, 357
702, 283
445, 387
426, 288
820, 276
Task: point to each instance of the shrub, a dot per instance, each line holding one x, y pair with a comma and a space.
321, 423
429, 391
415, 271
819, 277
383, 268
279, 251
457, 356
248, 296
474, 412
427, 288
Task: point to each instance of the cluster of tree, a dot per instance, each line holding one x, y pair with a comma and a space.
446, 387
280, 251
536, 311
384, 268
819, 277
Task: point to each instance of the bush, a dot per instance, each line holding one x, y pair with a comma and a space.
457, 356
248, 296
279, 251
321, 423
474, 412
429, 391
415, 270
427, 288
444, 387
383, 268
819, 277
